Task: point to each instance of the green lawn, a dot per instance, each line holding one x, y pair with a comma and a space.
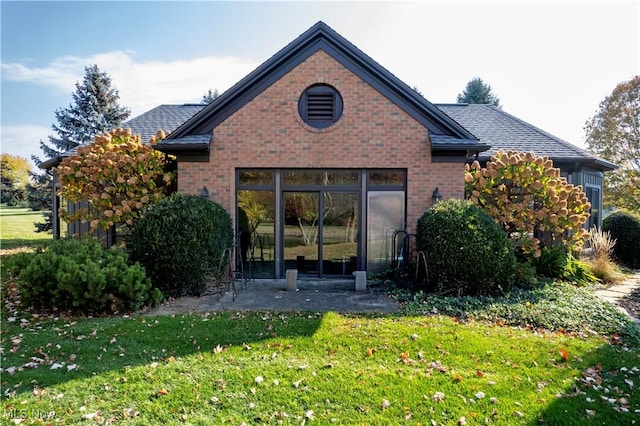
420, 367
17, 228
271, 368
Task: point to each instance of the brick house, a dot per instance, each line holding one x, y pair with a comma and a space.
321, 155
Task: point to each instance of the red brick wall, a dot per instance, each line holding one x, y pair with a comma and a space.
372, 132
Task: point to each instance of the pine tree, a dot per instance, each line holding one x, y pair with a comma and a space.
478, 92
95, 110
210, 96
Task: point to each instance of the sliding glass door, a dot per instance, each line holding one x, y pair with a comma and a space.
320, 232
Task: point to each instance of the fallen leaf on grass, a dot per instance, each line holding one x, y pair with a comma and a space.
92, 416
438, 396
564, 354
130, 412
163, 391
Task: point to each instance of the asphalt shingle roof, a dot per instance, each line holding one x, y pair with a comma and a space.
501, 130
162, 117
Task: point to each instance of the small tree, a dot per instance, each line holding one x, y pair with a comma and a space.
118, 177
526, 195
614, 134
478, 92
210, 96
14, 177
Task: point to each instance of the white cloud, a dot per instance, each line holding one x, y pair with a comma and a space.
142, 85
23, 140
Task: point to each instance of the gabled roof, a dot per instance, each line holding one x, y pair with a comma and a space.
503, 131
321, 37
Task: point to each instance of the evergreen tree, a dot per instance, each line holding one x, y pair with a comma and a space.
210, 96
478, 92
95, 110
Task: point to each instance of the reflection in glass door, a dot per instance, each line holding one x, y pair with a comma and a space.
385, 216
320, 232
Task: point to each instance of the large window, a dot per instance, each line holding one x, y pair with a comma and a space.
322, 222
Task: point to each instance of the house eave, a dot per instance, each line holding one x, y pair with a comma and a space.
51, 163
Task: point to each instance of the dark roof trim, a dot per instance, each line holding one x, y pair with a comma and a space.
320, 36
477, 148
599, 164
51, 162
184, 147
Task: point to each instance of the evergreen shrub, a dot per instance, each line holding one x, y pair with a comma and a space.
180, 241
81, 277
467, 251
624, 227
552, 262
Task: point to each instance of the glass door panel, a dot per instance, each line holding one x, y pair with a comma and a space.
339, 233
385, 216
256, 232
301, 231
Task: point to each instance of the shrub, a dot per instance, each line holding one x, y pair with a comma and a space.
601, 249
624, 227
79, 276
180, 241
526, 195
117, 175
578, 272
552, 262
468, 252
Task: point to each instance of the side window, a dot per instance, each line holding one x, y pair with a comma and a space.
593, 194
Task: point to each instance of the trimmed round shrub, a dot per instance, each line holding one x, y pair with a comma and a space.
624, 227
82, 277
467, 252
180, 241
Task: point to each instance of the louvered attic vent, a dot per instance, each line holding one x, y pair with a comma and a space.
320, 106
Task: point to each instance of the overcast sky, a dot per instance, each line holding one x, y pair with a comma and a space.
550, 63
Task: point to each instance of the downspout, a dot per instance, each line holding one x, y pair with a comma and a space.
55, 216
